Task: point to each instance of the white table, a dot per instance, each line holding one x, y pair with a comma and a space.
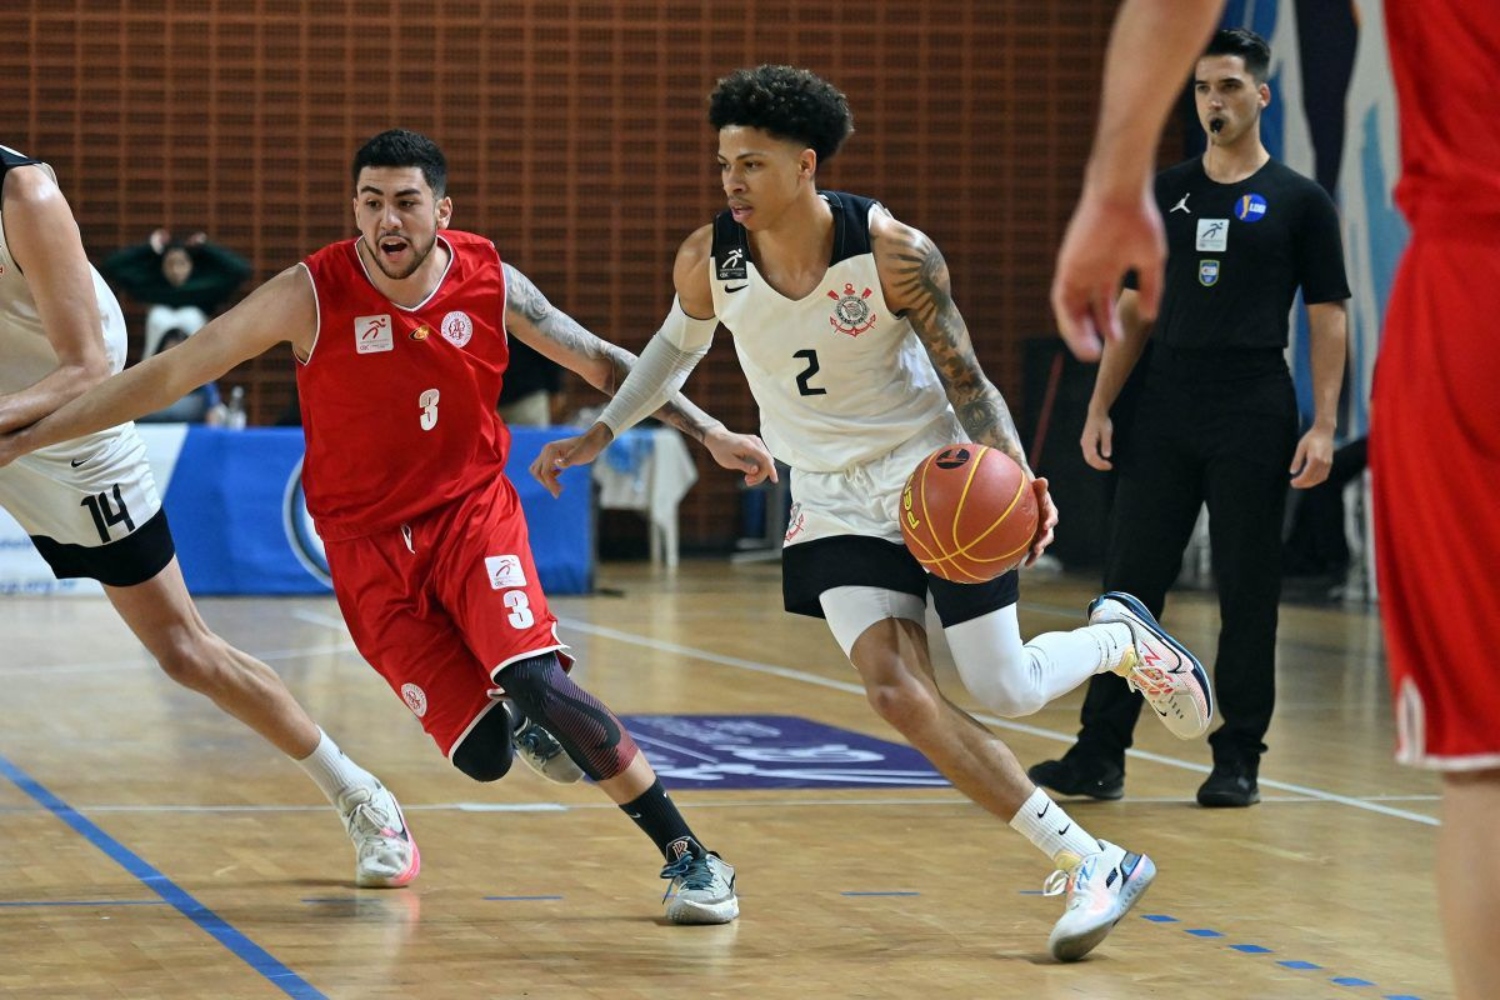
648, 471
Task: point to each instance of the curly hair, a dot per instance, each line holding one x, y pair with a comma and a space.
399, 147
787, 102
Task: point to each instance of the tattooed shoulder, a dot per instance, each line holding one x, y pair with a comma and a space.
524, 298
914, 273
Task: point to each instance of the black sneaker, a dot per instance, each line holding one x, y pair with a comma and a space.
1232, 785
1076, 774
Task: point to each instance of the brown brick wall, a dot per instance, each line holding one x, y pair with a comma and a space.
575, 133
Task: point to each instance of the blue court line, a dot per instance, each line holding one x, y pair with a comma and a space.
517, 899
1255, 949
211, 923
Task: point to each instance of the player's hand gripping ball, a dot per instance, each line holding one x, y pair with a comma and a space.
968, 513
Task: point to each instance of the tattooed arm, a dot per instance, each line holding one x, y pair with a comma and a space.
556, 335
914, 278
552, 332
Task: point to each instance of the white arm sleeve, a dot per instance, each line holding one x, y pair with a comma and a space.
661, 369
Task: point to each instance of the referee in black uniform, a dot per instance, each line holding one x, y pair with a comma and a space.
1216, 417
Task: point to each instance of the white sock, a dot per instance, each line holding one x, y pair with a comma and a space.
332, 771
1114, 638
1046, 825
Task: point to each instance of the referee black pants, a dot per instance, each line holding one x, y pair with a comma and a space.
1219, 430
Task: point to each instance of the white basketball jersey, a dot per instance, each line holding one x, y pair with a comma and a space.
26, 356
839, 378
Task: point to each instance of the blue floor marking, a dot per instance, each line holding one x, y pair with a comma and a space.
241, 946
1256, 949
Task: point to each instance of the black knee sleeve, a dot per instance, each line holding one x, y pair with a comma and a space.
587, 730
485, 753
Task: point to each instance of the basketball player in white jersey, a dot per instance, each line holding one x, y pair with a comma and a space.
92, 510
862, 365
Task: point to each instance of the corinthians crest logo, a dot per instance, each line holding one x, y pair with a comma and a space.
851, 313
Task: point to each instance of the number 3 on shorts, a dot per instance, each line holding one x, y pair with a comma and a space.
520, 609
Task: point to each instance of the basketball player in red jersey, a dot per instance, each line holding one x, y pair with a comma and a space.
401, 337
1433, 393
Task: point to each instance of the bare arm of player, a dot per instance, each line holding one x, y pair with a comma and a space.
281, 309
555, 334
914, 278
1328, 334
1116, 226
44, 241
1119, 360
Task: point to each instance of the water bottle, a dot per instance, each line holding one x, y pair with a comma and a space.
234, 418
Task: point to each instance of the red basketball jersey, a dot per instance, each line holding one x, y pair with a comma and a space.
1443, 52
398, 404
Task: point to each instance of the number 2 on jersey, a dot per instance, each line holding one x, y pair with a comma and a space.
804, 385
428, 401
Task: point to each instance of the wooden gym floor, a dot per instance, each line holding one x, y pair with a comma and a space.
159, 850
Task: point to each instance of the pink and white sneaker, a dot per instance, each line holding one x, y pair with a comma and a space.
1162, 669
385, 855
1100, 890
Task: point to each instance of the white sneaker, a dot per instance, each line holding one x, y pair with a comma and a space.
702, 890
1101, 889
1172, 680
385, 855
541, 751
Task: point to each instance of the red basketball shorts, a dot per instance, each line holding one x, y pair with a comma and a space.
438, 605
1435, 459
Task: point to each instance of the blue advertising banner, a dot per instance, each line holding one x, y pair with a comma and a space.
774, 751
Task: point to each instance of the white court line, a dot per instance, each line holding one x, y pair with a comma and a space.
802, 677
948, 801
1017, 727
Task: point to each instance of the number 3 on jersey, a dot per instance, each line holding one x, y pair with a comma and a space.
428, 401
804, 378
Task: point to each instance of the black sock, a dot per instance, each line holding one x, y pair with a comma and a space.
657, 815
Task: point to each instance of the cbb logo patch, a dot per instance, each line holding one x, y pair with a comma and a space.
1250, 208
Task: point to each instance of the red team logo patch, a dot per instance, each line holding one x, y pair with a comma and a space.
415, 698
851, 313
457, 328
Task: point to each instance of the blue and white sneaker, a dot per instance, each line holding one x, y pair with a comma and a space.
1101, 889
1172, 680
701, 891
540, 749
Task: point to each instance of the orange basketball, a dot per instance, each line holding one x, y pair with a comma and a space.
968, 513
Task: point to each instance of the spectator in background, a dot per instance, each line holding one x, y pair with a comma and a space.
201, 406
532, 383
182, 281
